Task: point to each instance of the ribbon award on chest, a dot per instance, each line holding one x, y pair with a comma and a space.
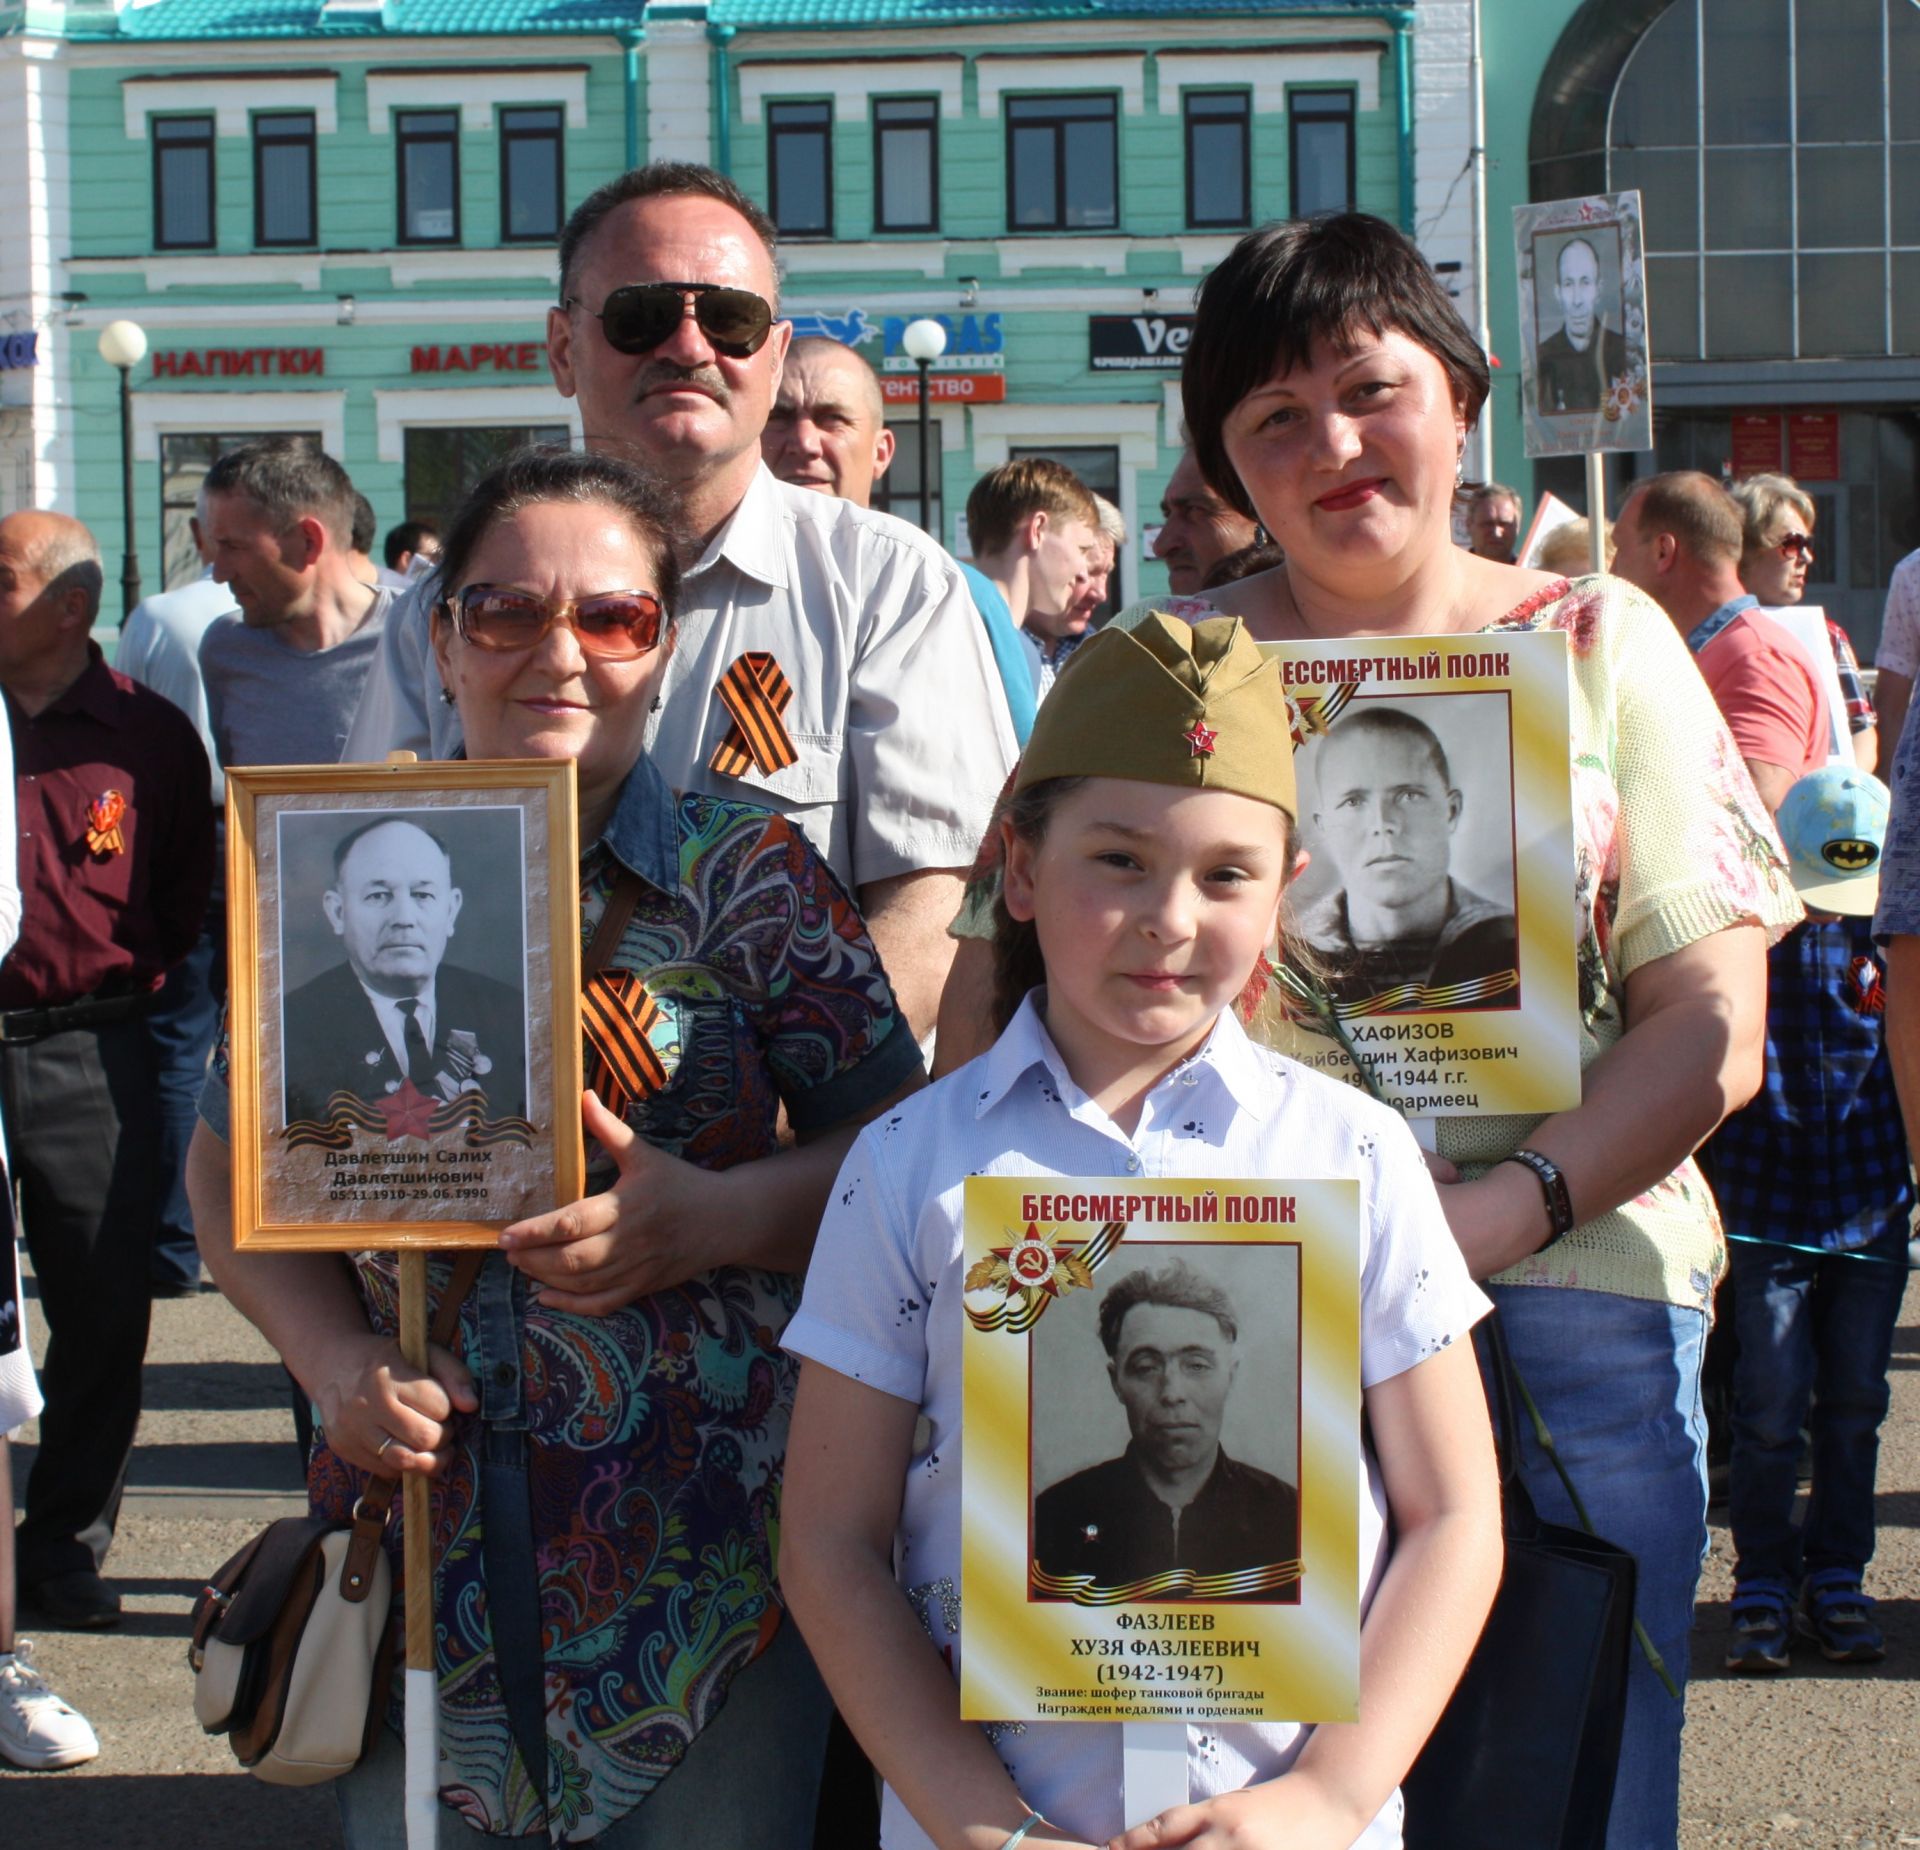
755, 694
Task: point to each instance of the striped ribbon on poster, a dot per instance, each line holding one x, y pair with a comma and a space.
1175, 1583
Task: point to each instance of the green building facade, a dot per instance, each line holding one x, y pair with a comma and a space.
338, 218
1776, 147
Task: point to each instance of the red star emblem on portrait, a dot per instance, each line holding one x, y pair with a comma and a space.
408, 1113
1200, 738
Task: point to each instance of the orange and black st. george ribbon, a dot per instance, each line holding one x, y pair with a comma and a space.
755, 694
616, 1014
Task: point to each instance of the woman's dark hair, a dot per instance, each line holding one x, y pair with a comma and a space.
1018, 965
586, 478
1287, 288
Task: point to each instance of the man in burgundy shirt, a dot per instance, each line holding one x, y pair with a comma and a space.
116, 859
1679, 538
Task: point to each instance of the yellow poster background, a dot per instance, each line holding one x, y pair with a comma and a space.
1501, 700
1165, 1658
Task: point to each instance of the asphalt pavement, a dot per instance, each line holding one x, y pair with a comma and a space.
1816, 1759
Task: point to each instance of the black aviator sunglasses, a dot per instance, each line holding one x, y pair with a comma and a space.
637, 317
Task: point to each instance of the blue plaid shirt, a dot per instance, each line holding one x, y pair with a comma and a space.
1819, 1157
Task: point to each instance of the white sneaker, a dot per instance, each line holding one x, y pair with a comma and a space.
37, 1729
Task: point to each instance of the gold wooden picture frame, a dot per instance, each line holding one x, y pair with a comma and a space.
404, 1003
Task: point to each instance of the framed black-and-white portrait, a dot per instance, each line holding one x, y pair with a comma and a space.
404, 1002
1585, 376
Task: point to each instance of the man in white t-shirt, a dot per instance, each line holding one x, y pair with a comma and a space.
892, 736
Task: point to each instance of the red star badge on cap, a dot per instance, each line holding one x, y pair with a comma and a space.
1200, 738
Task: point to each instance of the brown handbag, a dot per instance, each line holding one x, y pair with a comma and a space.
292, 1649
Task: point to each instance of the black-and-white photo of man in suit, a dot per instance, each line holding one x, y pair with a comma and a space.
394, 1011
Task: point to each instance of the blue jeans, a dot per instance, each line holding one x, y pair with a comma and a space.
750, 1780
1617, 1381
181, 1025
1813, 1329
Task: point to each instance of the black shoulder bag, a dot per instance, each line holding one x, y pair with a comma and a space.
1525, 1753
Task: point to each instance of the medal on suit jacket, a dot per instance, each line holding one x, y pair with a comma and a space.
103, 823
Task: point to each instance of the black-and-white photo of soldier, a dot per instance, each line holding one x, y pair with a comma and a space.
1577, 363
1174, 1498
1386, 814
394, 1010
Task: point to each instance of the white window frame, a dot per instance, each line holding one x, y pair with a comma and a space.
451, 406
180, 413
476, 94
851, 86
233, 96
1268, 74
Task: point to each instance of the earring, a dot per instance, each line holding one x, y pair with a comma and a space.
1260, 535
446, 699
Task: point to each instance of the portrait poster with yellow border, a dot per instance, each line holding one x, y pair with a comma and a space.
1432, 933
1160, 1512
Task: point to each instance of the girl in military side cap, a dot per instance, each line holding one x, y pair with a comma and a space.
1149, 845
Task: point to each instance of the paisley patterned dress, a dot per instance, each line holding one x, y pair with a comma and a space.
656, 1436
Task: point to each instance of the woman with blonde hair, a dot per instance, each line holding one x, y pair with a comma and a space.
1776, 518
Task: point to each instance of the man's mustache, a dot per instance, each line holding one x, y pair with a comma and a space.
664, 373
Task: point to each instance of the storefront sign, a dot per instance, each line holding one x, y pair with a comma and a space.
1137, 343
947, 389
480, 356
1756, 442
18, 350
974, 344
849, 329
1813, 446
239, 362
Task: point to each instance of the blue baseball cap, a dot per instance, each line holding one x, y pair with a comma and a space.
1834, 825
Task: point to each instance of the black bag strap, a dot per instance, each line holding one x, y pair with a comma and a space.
1518, 1515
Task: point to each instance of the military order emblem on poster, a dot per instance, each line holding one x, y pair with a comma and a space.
1432, 933
1585, 376
405, 1002
1160, 1516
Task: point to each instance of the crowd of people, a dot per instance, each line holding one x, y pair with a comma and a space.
993, 830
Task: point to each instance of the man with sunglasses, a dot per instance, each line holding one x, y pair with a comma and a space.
826, 660
1679, 538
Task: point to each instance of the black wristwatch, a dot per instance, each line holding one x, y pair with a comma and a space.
1559, 1202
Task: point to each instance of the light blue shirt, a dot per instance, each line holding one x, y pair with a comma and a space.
160, 648
1010, 650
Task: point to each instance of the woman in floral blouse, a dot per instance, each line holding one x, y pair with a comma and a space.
614, 1665
1329, 390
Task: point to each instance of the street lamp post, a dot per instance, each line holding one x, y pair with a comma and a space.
123, 345
925, 341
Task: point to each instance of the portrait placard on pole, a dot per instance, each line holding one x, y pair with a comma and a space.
1432, 933
404, 1002
1160, 1510
1586, 375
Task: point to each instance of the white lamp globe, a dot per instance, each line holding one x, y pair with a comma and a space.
924, 339
123, 343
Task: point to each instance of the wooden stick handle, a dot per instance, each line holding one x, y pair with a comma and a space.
416, 1509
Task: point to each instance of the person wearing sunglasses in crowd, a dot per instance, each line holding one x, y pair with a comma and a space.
874, 720
625, 1673
1679, 538
1776, 517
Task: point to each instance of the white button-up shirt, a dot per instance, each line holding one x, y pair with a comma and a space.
883, 1306
898, 719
